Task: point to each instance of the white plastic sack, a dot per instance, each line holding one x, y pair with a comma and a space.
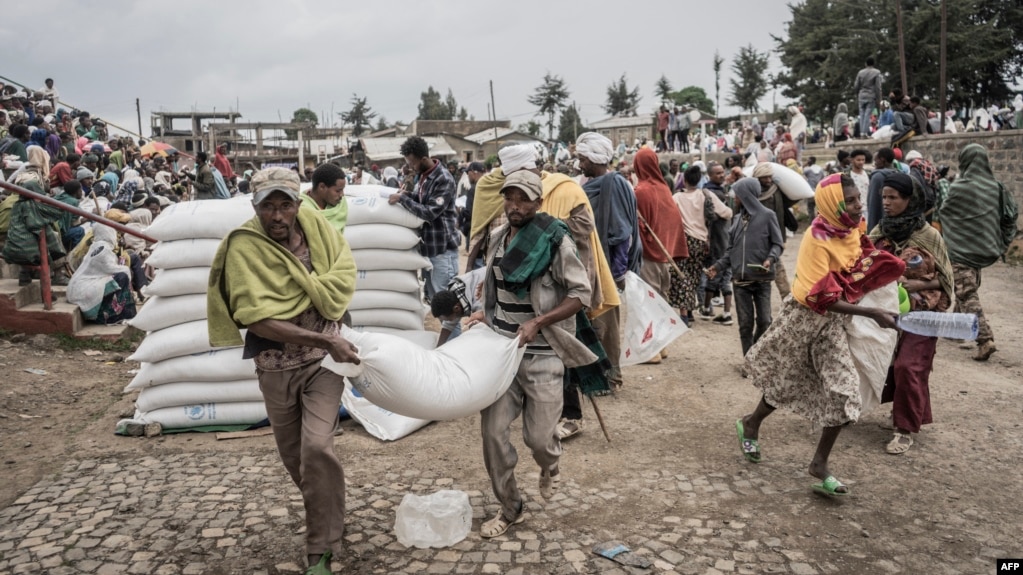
183, 253
377, 421
883, 133
793, 185
650, 322
162, 312
200, 414
458, 379
408, 260
372, 209
872, 347
219, 365
201, 219
371, 299
421, 337
369, 191
175, 341
172, 394
390, 280
180, 281
392, 318
439, 519
381, 236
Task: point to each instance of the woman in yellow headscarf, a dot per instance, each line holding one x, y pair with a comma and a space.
803, 362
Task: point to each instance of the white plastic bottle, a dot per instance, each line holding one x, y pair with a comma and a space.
938, 324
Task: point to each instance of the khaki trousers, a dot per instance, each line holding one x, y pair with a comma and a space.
658, 276
536, 394
302, 405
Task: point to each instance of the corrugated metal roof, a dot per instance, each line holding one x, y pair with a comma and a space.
380, 149
502, 133
623, 122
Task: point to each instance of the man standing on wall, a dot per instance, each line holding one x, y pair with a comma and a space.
868, 95
432, 200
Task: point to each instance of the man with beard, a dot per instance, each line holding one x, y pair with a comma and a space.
535, 285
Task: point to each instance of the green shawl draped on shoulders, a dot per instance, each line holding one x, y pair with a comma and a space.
255, 278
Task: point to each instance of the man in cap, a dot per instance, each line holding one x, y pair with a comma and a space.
432, 200
287, 276
614, 212
535, 285
204, 182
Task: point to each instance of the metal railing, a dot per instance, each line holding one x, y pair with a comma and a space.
44, 266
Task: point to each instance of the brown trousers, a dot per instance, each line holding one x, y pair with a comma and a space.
302, 405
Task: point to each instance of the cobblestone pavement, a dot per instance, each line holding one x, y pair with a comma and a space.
188, 514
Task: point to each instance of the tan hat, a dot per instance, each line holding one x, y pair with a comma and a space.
270, 180
526, 181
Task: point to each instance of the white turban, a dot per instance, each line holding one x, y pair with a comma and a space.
595, 148
913, 155
517, 157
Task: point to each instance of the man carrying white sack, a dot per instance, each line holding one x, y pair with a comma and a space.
287, 276
535, 285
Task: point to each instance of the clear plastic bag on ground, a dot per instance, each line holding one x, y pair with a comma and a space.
439, 519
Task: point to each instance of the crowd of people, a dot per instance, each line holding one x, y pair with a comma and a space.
548, 246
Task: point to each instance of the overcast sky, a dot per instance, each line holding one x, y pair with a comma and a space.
266, 58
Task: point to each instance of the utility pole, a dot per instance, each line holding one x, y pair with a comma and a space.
493, 107
138, 112
941, 73
902, 47
575, 123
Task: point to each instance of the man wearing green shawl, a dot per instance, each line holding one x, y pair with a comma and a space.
287, 276
535, 284
328, 195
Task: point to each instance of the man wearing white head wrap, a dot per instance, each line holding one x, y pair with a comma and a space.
517, 157
614, 214
594, 147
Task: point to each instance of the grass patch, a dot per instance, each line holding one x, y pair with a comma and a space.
71, 343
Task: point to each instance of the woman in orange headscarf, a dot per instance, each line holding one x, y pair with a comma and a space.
803, 362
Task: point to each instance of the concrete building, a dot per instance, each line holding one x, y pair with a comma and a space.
481, 145
627, 129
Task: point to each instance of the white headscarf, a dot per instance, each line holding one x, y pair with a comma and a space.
517, 157
90, 281
595, 148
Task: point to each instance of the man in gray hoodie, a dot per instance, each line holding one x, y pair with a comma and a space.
868, 94
755, 244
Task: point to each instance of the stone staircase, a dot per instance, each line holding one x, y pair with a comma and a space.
21, 311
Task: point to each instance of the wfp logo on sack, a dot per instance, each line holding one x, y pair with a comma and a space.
201, 411
649, 333
361, 200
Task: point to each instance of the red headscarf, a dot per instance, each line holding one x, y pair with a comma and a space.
654, 204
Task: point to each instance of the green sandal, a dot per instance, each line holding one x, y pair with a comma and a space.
830, 487
749, 447
321, 568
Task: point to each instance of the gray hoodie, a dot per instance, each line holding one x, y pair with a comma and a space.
753, 237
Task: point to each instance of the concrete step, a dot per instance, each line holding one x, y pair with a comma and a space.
8, 271
63, 318
114, 332
20, 296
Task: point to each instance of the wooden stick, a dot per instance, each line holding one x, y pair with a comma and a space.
671, 260
600, 418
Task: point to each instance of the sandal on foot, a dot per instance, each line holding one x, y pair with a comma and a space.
749, 447
900, 443
830, 487
549, 484
569, 428
322, 567
499, 525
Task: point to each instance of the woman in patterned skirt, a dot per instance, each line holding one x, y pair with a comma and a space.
803, 362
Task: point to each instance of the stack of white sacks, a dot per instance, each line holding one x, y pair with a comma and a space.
388, 292
186, 384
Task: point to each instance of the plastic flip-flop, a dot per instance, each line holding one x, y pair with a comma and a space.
830, 487
321, 568
749, 447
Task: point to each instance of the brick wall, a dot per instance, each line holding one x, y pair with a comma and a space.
1005, 149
